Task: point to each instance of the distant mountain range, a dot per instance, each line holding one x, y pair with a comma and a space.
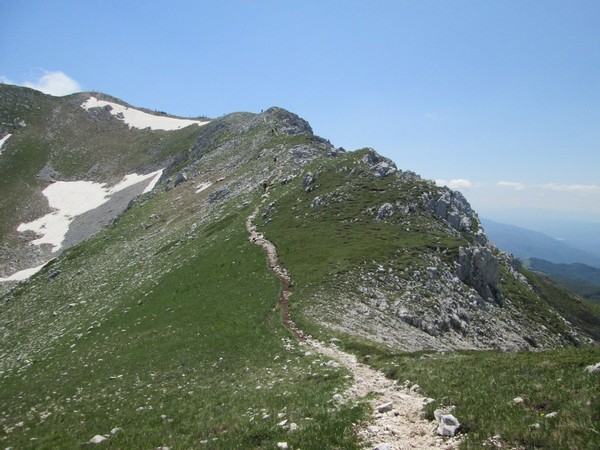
580, 278
524, 243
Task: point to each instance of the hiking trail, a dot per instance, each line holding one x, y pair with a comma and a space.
397, 421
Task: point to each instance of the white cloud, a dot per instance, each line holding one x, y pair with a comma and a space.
457, 184
53, 83
577, 188
517, 186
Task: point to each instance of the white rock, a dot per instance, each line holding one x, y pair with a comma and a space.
551, 415
385, 407
283, 423
281, 415
116, 430
282, 445
518, 400
338, 398
593, 368
97, 439
293, 426
449, 425
383, 447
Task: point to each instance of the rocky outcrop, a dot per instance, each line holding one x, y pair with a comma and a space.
385, 211
453, 208
479, 268
379, 165
283, 121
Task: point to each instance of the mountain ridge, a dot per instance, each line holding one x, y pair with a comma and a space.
169, 312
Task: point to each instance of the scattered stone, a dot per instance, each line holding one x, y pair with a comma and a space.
338, 398
385, 211
181, 178
116, 430
293, 426
518, 400
383, 447
281, 415
97, 439
449, 425
53, 273
283, 423
385, 407
282, 445
308, 179
536, 426
415, 388
593, 368
551, 415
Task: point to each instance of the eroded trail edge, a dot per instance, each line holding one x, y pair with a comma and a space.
397, 410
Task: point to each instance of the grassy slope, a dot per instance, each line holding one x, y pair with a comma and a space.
337, 238
329, 240
483, 385
334, 239
196, 351
162, 334
18, 168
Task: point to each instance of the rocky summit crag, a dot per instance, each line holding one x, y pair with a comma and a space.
157, 291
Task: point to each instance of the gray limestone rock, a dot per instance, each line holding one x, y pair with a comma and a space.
448, 425
385, 211
180, 178
385, 407
97, 439
593, 368
379, 165
479, 269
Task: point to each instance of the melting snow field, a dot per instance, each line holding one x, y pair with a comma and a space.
2, 141
139, 119
69, 199
24, 274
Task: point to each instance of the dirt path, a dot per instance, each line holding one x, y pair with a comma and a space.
397, 422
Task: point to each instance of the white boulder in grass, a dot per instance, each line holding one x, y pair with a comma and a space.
97, 439
448, 425
593, 368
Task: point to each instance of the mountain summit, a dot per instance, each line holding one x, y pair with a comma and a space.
126, 250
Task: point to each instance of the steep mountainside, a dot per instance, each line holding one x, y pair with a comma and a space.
163, 322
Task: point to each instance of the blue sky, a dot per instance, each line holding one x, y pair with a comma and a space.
499, 99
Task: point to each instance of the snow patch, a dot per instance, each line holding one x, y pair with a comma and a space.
23, 274
139, 119
203, 186
3, 140
73, 198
